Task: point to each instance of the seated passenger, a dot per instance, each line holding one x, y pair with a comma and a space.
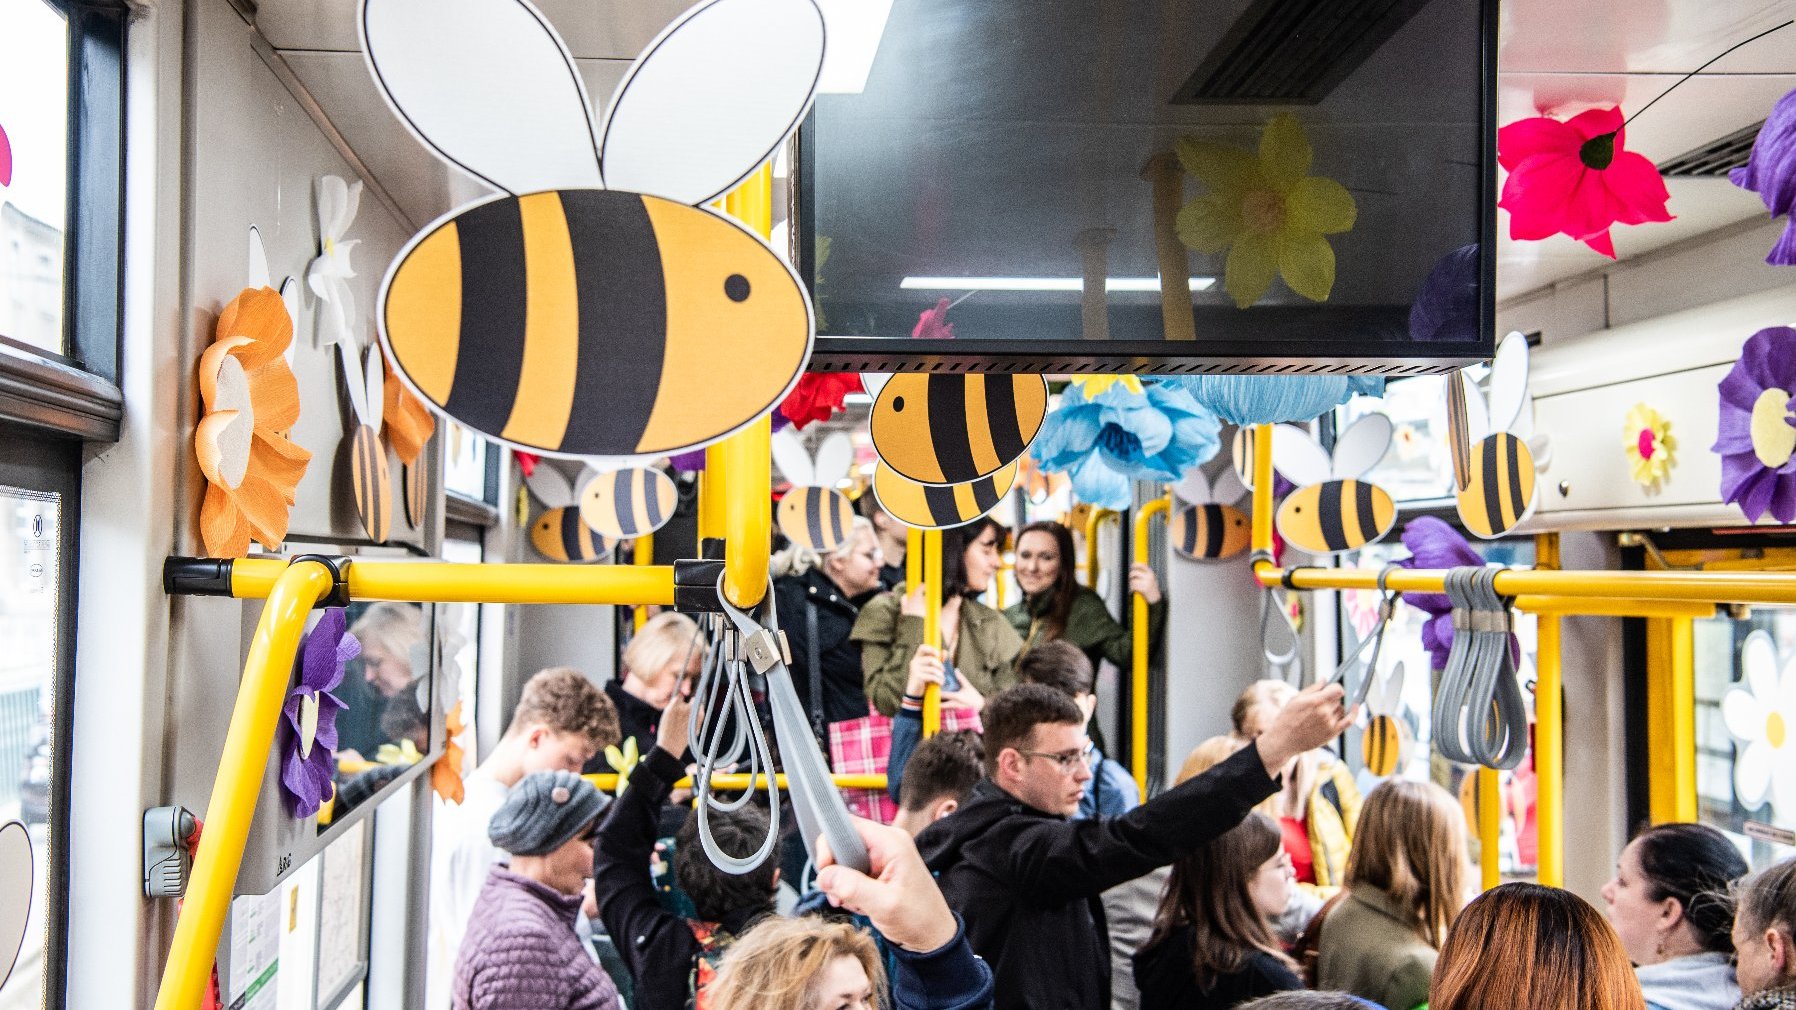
1765, 939
1023, 876
1405, 883
1213, 946
1318, 809
673, 959
1670, 905
561, 720
1526, 946
520, 949
1060, 665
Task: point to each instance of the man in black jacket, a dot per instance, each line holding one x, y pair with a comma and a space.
1027, 881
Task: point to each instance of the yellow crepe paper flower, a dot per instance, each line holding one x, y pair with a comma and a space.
1650, 446
622, 761
405, 752
1267, 211
1095, 384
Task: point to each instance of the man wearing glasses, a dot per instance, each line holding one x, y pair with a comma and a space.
1027, 880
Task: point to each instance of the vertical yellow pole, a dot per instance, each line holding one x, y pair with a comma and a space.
747, 456
1549, 733
932, 624
1681, 734
1138, 645
1093, 562
1490, 814
913, 558
1262, 488
1671, 719
710, 496
644, 554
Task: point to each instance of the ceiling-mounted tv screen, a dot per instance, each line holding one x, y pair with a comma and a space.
1316, 177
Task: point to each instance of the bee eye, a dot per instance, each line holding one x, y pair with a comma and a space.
736, 287
897, 404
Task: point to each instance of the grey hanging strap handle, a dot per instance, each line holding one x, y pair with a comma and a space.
1480, 716
1387, 606
1286, 665
723, 702
815, 800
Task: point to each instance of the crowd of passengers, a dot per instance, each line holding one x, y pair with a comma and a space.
1013, 864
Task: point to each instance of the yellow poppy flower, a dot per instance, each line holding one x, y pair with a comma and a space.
1267, 211
1650, 446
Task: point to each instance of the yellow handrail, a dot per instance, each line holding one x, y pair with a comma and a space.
607, 781
1138, 644
932, 624
1549, 733
1093, 563
240, 768
642, 554
1490, 828
255, 578
747, 456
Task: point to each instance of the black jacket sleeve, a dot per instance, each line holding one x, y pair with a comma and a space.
949, 978
1054, 861
656, 944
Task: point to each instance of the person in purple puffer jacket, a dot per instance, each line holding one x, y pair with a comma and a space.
520, 951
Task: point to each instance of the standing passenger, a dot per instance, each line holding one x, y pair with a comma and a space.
1055, 606
1765, 939
666, 650
1318, 809
894, 539
822, 594
1669, 903
1528, 947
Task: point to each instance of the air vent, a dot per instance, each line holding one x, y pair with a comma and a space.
1293, 52
1714, 159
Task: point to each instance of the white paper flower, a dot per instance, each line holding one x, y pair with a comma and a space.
1760, 714
328, 275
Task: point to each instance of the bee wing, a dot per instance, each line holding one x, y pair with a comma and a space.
1299, 456
376, 397
1194, 487
257, 276
835, 460
550, 486
712, 97
486, 84
1477, 415
1227, 488
795, 463
1509, 384
1390, 693
1361, 446
873, 382
354, 380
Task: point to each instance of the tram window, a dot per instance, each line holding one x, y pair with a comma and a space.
466, 468
458, 632
1417, 468
386, 727
1720, 666
34, 171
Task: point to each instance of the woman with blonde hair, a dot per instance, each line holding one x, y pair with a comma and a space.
799, 964
1524, 945
666, 650
1405, 881
1319, 807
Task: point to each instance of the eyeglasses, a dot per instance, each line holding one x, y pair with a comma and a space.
1068, 762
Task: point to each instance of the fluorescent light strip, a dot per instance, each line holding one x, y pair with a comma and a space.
1040, 283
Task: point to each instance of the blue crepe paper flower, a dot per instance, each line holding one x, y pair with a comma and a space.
1771, 173
1119, 436
308, 764
1274, 399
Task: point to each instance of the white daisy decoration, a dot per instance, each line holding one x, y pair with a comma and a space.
1760, 713
328, 275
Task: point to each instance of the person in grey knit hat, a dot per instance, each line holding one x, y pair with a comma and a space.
520, 951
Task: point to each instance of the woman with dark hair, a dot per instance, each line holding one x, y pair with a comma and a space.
1054, 605
1540, 948
1213, 945
1669, 904
1765, 938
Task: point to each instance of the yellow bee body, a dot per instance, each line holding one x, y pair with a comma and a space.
816, 518
934, 506
1336, 515
560, 535
952, 429
372, 482
1501, 485
1210, 531
1382, 745
625, 504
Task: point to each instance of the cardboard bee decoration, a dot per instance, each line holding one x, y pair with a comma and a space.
940, 506
369, 476
1206, 525
954, 429
595, 306
1386, 738
1496, 455
628, 503
559, 533
1332, 510
814, 514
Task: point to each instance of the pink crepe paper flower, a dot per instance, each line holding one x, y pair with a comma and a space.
1575, 178
933, 324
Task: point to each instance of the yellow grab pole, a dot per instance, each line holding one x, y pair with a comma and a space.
1490, 831
1699, 587
1549, 734
913, 557
644, 554
932, 624
1565, 607
239, 780
1092, 560
747, 456
737, 780
1262, 493
710, 497
1671, 719
254, 578
1138, 644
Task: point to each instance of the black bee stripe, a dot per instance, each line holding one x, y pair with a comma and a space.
1516, 503
940, 503
948, 421
365, 491
651, 499
1329, 519
623, 318
985, 492
838, 515
1362, 507
1000, 407
1192, 521
1493, 479
812, 500
490, 355
623, 499
570, 534
1213, 531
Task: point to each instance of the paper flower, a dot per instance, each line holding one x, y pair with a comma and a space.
1771, 173
1275, 399
1754, 433
1433, 543
405, 752
408, 422
933, 324
1760, 714
1446, 308
622, 761
1267, 210
250, 400
1120, 435
1575, 178
328, 275
445, 775
1649, 444
818, 396
5, 158
311, 711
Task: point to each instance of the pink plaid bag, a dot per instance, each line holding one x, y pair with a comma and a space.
862, 747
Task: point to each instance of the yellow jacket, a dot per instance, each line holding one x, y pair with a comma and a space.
1330, 818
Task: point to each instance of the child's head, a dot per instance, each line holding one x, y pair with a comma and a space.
941, 774
717, 895
1060, 664
561, 721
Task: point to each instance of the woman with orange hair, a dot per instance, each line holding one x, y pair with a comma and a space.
1524, 945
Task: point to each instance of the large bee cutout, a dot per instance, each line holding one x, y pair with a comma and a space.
1386, 738
628, 503
1207, 526
559, 533
594, 307
814, 514
940, 506
1332, 510
952, 429
1496, 455
369, 475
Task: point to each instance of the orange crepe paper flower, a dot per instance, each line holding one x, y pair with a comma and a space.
445, 775
251, 400
409, 423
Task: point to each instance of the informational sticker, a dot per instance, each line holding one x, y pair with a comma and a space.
255, 952
341, 911
37, 544
1769, 833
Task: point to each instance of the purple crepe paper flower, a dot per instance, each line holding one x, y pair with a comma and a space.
1446, 308
1433, 543
1759, 473
306, 769
1771, 173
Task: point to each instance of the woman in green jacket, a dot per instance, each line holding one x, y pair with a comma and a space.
1056, 606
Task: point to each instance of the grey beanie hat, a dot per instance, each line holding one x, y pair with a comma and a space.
543, 811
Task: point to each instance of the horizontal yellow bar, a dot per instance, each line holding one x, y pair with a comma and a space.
1706, 587
252, 578
608, 781
1562, 607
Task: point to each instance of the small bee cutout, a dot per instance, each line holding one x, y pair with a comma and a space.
940, 506
559, 533
369, 476
1386, 739
628, 503
953, 429
813, 514
1332, 510
1496, 455
1207, 526
594, 306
